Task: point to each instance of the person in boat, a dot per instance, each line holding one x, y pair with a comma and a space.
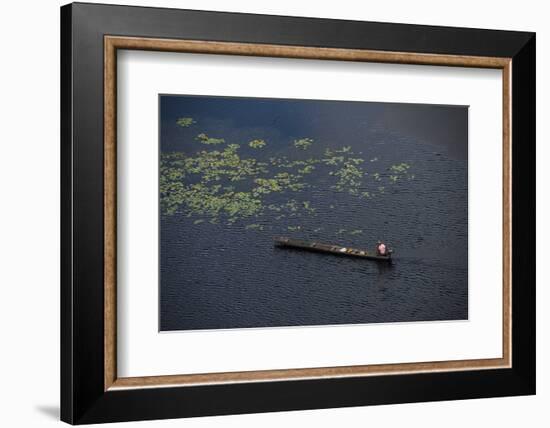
381, 249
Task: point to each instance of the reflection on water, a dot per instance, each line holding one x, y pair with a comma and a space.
226, 276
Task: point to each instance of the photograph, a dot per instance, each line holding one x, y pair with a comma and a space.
302, 212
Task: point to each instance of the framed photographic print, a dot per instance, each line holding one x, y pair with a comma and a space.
265, 213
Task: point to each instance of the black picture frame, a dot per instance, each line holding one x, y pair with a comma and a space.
83, 396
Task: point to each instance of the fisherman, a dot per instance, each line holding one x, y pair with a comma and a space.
381, 248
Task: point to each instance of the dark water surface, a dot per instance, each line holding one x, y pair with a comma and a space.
216, 276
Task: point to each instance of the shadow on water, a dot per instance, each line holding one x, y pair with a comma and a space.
385, 267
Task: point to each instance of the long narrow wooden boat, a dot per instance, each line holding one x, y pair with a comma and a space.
281, 241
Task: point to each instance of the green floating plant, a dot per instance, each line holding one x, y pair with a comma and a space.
257, 144
185, 122
254, 226
205, 139
217, 183
303, 143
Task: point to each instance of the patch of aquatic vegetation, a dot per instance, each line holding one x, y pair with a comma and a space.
257, 144
350, 178
400, 168
303, 143
205, 139
185, 122
223, 183
254, 226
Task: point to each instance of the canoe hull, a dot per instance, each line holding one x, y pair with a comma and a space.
336, 250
